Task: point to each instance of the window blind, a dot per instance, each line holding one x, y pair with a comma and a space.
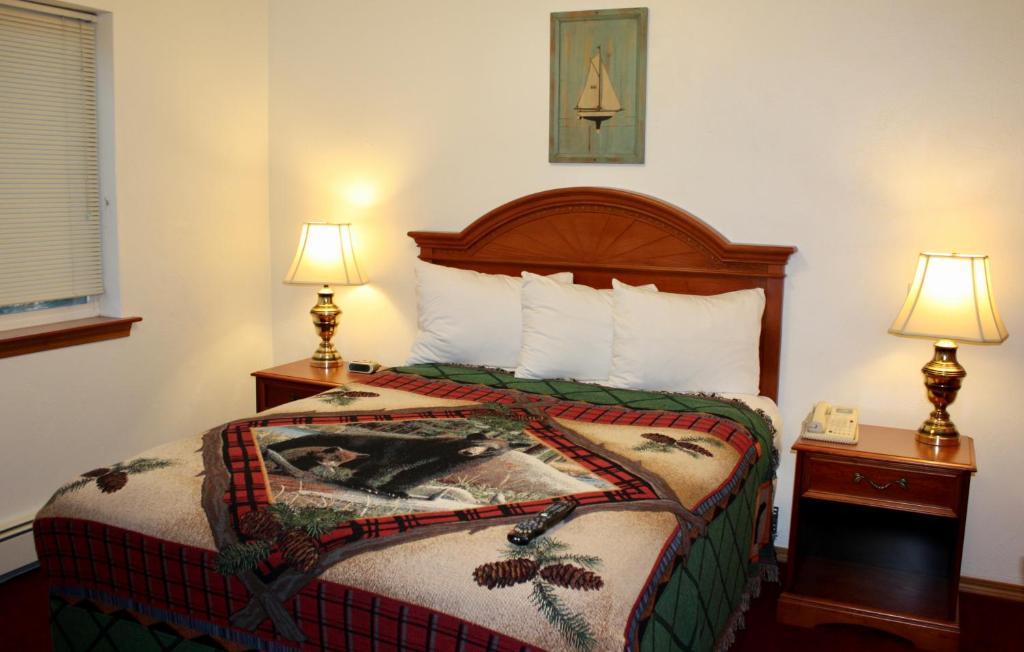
49, 170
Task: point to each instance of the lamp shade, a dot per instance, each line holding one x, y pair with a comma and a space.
325, 256
951, 298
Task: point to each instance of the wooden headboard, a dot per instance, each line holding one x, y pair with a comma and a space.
601, 233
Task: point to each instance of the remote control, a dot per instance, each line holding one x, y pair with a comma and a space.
528, 530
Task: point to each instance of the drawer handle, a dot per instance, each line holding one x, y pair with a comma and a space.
857, 477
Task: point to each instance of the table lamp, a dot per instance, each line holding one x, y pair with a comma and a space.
325, 256
950, 299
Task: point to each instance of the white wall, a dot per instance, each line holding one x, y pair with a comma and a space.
190, 97
862, 132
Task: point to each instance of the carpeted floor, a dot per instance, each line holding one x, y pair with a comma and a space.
988, 624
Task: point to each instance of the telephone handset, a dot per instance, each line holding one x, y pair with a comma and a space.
829, 422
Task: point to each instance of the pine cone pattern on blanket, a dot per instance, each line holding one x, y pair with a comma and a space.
684, 444
572, 577
95, 473
659, 438
300, 550
112, 481
261, 525
505, 573
696, 448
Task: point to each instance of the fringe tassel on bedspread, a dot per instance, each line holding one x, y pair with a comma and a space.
768, 572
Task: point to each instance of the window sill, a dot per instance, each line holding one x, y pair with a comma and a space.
32, 339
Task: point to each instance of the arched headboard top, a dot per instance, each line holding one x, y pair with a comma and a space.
603, 233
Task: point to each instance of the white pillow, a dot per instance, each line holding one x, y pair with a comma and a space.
686, 343
567, 330
467, 317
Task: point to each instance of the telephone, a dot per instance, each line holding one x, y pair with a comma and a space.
832, 423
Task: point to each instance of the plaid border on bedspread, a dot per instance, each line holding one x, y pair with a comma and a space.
177, 584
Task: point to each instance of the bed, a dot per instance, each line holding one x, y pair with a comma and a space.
375, 515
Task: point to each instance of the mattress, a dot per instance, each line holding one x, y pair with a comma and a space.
376, 514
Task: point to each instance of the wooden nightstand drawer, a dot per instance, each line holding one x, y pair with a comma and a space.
893, 486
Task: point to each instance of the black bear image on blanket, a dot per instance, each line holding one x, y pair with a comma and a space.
425, 464
389, 465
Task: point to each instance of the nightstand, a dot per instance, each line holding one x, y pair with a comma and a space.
296, 380
877, 534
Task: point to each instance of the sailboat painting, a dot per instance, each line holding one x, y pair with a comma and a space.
598, 86
598, 101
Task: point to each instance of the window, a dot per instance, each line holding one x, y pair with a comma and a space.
50, 235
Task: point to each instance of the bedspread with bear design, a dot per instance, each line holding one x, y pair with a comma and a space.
376, 515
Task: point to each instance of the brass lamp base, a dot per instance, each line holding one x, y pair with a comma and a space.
942, 378
325, 318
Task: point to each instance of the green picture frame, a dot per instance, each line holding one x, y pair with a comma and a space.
598, 86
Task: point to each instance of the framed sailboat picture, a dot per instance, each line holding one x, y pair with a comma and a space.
598, 86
